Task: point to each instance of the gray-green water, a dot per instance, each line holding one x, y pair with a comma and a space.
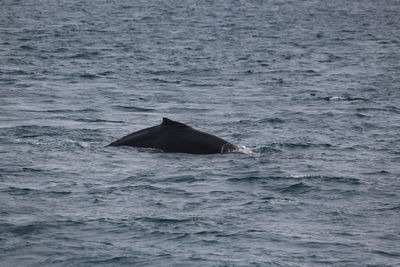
312, 87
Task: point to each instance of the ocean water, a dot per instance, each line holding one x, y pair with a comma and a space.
311, 87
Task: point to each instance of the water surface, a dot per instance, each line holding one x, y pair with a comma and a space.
311, 87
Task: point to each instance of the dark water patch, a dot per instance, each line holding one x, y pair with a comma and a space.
394, 254
85, 55
182, 179
331, 179
38, 227
389, 207
17, 72
183, 109
23, 85
132, 108
311, 72
22, 230
325, 245
30, 131
32, 228
255, 179
88, 76
139, 177
298, 188
161, 220
173, 236
392, 109
50, 136
21, 191
331, 58
199, 84
220, 193
106, 73
27, 47
360, 115
159, 80
58, 193
246, 122
141, 188
300, 145
379, 173
89, 120
378, 109
271, 120
104, 260
196, 72
60, 50
340, 193
20, 171
117, 190
267, 150
84, 110
145, 187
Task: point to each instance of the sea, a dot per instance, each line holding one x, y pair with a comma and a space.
309, 88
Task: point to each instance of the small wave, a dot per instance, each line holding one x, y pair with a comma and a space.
342, 98
299, 178
271, 120
97, 120
387, 253
249, 179
79, 143
360, 115
17, 72
26, 47
19, 191
26, 229
299, 145
31, 191
298, 188
85, 110
165, 220
267, 150
106, 73
336, 179
183, 179
54, 140
198, 84
85, 55
133, 109
113, 260
185, 72
88, 76
176, 109
311, 72
389, 208
385, 109
159, 80
35, 227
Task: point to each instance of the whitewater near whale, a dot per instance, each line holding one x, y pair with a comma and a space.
176, 137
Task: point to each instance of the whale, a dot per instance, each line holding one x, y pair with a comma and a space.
176, 137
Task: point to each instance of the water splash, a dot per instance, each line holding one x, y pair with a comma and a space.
244, 150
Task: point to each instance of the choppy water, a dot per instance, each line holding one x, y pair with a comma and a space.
311, 87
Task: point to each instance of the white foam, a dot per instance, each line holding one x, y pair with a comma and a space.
244, 150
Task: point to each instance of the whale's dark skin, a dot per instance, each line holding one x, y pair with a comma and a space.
175, 137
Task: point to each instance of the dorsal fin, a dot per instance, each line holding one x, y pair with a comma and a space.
169, 122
